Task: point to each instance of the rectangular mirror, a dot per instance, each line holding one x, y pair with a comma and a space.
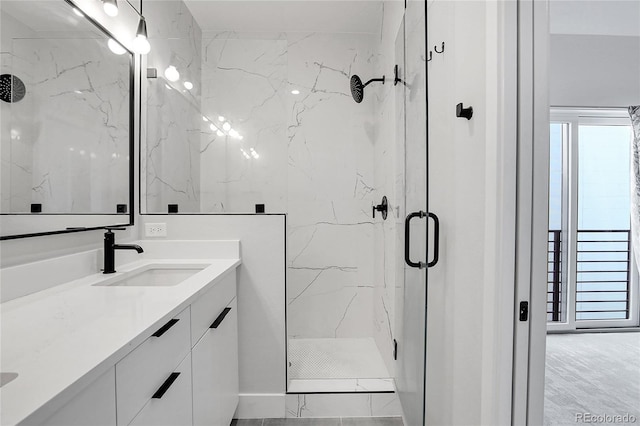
66, 99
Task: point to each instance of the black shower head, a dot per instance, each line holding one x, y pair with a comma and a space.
357, 88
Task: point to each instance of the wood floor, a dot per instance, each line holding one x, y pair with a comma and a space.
592, 373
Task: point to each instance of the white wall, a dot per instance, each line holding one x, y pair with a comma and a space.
261, 300
594, 70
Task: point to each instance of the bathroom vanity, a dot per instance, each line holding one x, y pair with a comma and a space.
154, 343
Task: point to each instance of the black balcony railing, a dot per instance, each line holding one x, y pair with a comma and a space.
603, 272
554, 276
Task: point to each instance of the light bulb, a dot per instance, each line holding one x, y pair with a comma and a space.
213, 128
110, 7
219, 133
295, 92
226, 126
141, 45
188, 85
115, 47
171, 73
234, 133
77, 12
204, 118
220, 118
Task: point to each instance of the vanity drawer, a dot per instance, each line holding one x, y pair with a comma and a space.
210, 305
171, 405
143, 371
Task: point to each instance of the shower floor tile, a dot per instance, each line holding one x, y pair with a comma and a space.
337, 365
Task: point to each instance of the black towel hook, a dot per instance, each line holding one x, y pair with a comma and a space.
430, 56
439, 51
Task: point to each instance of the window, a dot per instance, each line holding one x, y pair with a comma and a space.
591, 280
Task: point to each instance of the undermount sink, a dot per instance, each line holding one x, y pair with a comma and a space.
154, 276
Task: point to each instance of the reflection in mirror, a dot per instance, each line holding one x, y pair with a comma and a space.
66, 117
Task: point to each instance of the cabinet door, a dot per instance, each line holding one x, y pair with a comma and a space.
95, 405
215, 373
171, 405
143, 370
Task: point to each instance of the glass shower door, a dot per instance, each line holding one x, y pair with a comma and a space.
413, 232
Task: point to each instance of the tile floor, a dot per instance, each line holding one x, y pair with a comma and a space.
344, 421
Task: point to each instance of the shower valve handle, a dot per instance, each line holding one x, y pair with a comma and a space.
383, 208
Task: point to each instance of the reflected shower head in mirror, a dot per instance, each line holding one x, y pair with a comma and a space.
357, 88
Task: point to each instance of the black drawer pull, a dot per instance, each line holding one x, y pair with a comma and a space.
165, 386
165, 327
218, 320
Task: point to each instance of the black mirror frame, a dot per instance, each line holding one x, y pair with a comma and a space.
132, 208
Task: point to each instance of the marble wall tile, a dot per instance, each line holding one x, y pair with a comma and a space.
174, 132
244, 81
173, 149
330, 187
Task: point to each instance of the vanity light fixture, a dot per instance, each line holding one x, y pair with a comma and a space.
110, 7
188, 85
254, 154
172, 73
140, 43
247, 156
115, 47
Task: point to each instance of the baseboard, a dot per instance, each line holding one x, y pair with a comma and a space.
261, 406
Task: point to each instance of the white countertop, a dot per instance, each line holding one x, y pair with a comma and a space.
61, 339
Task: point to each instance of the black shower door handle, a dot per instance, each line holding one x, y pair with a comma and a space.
436, 240
407, 240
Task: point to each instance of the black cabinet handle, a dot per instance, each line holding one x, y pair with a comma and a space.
165, 327
220, 318
165, 386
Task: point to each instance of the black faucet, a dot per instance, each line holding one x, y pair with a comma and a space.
110, 248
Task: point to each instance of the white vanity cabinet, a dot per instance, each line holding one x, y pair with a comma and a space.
184, 373
214, 335
215, 367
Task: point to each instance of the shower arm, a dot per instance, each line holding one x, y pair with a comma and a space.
372, 80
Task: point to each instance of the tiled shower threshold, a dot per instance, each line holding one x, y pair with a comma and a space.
337, 365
